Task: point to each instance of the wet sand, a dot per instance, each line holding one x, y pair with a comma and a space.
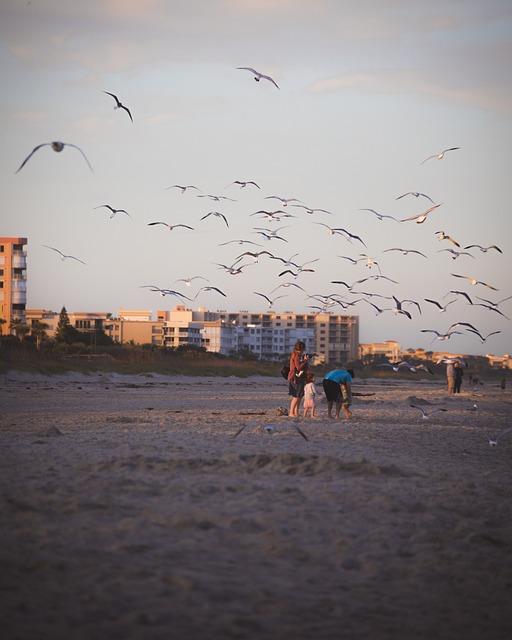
130, 510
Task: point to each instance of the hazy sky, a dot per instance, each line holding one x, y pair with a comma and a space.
367, 91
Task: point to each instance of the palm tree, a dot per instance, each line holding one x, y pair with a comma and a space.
20, 329
38, 330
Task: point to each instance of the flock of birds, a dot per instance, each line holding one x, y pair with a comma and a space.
291, 276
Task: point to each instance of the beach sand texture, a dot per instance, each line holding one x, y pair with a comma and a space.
129, 510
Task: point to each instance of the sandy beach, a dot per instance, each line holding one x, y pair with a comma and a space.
130, 510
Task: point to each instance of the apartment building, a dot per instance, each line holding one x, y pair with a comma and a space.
13, 282
389, 349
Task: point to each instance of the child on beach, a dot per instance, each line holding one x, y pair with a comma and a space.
310, 394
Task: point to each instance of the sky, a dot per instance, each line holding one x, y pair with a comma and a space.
369, 94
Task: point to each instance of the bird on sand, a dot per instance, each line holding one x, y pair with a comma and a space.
113, 211
440, 155
271, 428
171, 227
425, 413
56, 146
258, 76
119, 105
63, 256
475, 282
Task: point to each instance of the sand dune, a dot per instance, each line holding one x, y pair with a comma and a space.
130, 510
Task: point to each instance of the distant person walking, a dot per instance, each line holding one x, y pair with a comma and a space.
459, 374
310, 395
337, 386
450, 378
299, 364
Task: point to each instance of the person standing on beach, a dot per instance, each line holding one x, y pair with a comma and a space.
450, 378
459, 373
299, 364
310, 394
337, 385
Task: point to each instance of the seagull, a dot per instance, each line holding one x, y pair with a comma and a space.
494, 441
378, 310
338, 230
183, 188
171, 227
494, 304
118, 104
214, 197
272, 215
254, 255
288, 284
310, 210
460, 293
375, 277
441, 336
271, 428
484, 249
165, 292
451, 360
270, 235
270, 302
218, 215
295, 275
417, 367
442, 236
243, 184
398, 309
354, 262
484, 338
113, 211
456, 254
426, 414
440, 155
405, 251
62, 255
442, 308
462, 324
210, 288
233, 270
422, 216
380, 216
241, 242
56, 146
491, 308
369, 261
188, 281
258, 76
475, 282
416, 194
284, 201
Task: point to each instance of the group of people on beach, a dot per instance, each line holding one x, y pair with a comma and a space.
302, 385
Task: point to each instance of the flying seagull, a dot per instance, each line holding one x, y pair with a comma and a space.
218, 215
243, 184
271, 428
258, 76
284, 201
62, 255
171, 227
475, 282
119, 105
380, 216
420, 218
442, 308
416, 194
56, 146
182, 188
426, 414
440, 155
188, 281
484, 249
210, 288
405, 251
494, 441
270, 301
442, 236
456, 254
112, 210
484, 338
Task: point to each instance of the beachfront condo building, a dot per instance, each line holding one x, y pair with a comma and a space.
13, 283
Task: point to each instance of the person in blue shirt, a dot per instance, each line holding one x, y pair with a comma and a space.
338, 389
